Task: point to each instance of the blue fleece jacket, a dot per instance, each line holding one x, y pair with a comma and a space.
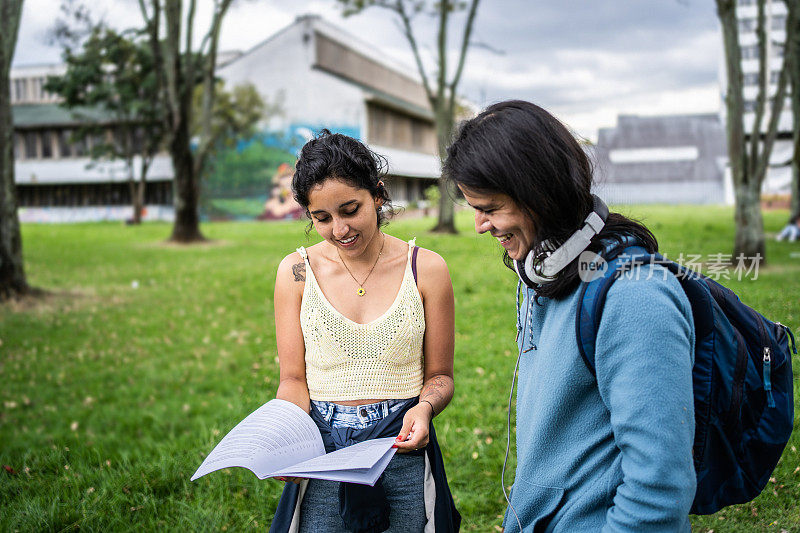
611, 452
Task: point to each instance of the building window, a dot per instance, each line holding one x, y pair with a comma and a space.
779, 22
749, 106
79, 145
418, 134
751, 78
378, 125
750, 52
31, 148
64, 145
17, 146
396, 129
47, 144
746, 25
38, 89
747, 2
19, 89
138, 140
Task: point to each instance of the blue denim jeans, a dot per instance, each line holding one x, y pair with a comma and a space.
403, 479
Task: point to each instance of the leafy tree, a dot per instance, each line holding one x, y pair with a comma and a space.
74, 23
235, 114
178, 67
113, 72
234, 120
442, 95
13, 282
749, 153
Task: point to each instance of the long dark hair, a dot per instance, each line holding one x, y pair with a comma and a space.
519, 149
336, 156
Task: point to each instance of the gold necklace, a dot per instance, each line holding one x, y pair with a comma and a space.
361, 291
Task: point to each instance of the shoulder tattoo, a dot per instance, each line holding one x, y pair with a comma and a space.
299, 271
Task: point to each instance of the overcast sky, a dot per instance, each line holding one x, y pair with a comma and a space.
586, 61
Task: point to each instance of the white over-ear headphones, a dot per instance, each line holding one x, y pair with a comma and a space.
533, 272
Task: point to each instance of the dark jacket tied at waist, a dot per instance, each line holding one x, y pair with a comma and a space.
364, 509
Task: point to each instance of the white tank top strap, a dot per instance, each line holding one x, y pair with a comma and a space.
411, 244
303, 253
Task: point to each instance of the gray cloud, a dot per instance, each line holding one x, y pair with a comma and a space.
586, 60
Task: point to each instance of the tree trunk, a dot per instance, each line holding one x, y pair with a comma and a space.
133, 188
186, 228
749, 242
795, 203
13, 283
748, 169
446, 220
793, 57
136, 217
141, 188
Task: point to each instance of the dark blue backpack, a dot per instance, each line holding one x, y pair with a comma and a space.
742, 378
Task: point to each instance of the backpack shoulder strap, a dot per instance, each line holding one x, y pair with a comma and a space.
593, 294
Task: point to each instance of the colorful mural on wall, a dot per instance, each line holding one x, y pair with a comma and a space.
281, 205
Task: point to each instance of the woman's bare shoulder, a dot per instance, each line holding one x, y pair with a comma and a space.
291, 268
430, 262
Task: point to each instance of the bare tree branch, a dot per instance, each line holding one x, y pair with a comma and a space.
464, 45
761, 98
399, 8
778, 102
444, 11
734, 100
172, 52
143, 8
487, 46
189, 26
208, 84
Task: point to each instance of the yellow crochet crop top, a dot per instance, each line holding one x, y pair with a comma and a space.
346, 360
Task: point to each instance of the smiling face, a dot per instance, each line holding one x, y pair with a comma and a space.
500, 215
344, 215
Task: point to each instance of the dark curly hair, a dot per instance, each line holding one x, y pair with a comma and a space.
336, 156
519, 149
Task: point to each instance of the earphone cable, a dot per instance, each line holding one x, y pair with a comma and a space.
508, 421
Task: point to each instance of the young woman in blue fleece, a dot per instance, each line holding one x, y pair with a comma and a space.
611, 452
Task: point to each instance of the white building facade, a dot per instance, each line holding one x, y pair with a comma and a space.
322, 77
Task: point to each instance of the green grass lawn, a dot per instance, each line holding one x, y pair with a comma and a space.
116, 386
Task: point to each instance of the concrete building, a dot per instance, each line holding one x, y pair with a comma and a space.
322, 77
779, 175
316, 74
56, 180
662, 159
